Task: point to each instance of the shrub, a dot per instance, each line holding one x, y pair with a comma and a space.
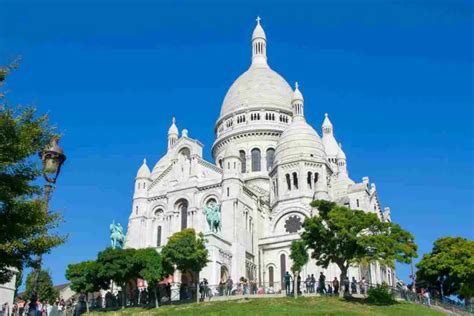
380, 295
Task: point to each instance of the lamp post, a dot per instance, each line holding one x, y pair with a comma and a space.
52, 158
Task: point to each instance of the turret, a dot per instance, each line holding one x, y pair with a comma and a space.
330, 143
231, 178
341, 161
259, 46
142, 181
297, 102
173, 134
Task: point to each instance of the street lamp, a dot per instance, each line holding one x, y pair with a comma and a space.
52, 157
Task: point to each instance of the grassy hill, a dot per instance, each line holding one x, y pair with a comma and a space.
282, 306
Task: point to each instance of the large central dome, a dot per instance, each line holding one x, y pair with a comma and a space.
258, 86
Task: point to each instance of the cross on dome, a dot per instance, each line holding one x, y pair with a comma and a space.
258, 20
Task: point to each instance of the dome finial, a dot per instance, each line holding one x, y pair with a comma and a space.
258, 20
296, 84
144, 161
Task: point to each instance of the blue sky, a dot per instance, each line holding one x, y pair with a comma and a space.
396, 78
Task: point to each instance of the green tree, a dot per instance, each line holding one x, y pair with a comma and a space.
83, 278
118, 265
25, 227
18, 281
344, 236
151, 268
299, 255
186, 251
46, 290
450, 265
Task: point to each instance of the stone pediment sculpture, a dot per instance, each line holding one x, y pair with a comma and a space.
117, 236
212, 211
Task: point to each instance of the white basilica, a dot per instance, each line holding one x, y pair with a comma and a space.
270, 164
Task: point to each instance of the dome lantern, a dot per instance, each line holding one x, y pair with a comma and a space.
259, 46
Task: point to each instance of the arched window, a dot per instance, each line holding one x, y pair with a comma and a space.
270, 158
221, 164
243, 160
270, 277
158, 236
316, 178
288, 182
256, 159
309, 180
295, 180
185, 152
282, 269
182, 206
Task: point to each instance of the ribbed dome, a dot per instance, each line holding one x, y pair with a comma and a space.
258, 86
298, 141
144, 171
161, 165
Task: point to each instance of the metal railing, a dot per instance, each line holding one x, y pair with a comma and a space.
182, 294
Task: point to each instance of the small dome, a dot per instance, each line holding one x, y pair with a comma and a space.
299, 140
231, 151
173, 130
297, 95
258, 87
258, 32
144, 171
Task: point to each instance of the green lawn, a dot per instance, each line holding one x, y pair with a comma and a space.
282, 306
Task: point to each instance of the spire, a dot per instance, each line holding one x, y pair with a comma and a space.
173, 133
259, 46
327, 125
297, 102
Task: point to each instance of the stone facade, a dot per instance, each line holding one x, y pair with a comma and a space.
270, 164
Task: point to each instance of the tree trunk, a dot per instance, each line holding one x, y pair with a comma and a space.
295, 289
87, 303
124, 295
342, 282
156, 297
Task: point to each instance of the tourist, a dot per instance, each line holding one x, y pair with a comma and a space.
307, 284
312, 283
322, 283
362, 285
329, 292
335, 284
426, 296
346, 283
288, 279
253, 286
229, 285
354, 286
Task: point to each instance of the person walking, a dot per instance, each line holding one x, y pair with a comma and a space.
354, 286
288, 279
298, 284
362, 285
307, 284
335, 284
229, 285
312, 283
322, 283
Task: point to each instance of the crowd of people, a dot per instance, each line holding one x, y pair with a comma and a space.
38, 308
321, 286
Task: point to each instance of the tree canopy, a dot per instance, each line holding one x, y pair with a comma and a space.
46, 290
83, 278
299, 256
186, 251
25, 226
450, 265
151, 268
344, 236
